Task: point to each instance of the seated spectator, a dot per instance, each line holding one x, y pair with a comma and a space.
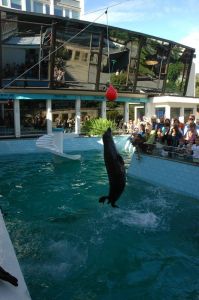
177, 123
160, 124
154, 122
195, 150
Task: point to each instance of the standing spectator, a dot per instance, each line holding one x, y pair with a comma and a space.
154, 122
191, 120
191, 134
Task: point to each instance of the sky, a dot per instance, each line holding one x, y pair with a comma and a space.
175, 20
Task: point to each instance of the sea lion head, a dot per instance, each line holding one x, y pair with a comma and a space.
107, 134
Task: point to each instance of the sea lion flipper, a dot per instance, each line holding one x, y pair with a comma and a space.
103, 198
8, 277
114, 205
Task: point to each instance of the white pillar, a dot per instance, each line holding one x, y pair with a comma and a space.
49, 115
52, 7
31, 6
167, 111
17, 118
9, 4
149, 109
135, 114
44, 8
181, 117
77, 115
23, 5
103, 109
126, 112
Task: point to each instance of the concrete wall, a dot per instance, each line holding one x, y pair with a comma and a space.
175, 176
9, 262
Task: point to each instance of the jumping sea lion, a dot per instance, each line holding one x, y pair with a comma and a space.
8, 277
115, 168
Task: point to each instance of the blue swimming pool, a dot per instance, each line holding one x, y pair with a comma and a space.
71, 247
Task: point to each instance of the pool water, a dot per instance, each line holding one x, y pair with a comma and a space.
70, 246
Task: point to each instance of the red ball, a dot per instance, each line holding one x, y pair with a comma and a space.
111, 93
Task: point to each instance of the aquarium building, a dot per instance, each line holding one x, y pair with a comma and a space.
55, 70
64, 8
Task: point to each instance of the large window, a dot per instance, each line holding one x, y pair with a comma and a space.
38, 7
5, 2
33, 117
152, 65
75, 14
63, 115
88, 57
16, 4
58, 11
160, 112
115, 112
175, 112
178, 70
187, 112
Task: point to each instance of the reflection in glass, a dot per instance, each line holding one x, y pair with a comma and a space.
63, 115
153, 65
7, 118
115, 112
33, 117
90, 110
16, 4
88, 58
174, 112
178, 70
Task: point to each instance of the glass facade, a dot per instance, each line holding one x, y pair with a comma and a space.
58, 11
38, 7
5, 2
63, 115
75, 14
6, 118
33, 117
87, 59
16, 4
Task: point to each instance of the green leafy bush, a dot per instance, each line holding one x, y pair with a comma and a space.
97, 126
